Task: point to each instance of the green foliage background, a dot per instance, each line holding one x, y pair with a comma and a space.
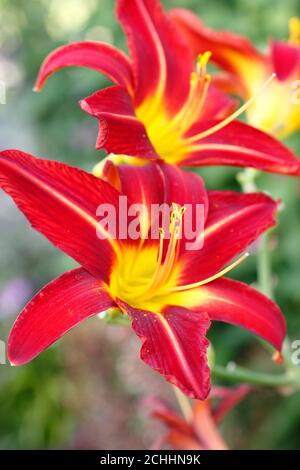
49, 403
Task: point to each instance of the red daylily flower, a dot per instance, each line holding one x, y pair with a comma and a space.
277, 110
199, 431
171, 294
161, 106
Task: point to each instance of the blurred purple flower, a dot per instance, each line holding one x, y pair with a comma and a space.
13, 296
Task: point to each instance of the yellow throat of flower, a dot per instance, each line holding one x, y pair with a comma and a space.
276, 111
294, 28
144, 275
148, 277
165, 133
168, 134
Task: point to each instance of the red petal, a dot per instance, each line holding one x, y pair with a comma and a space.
286, 59
58, 307
183, 187
236, 303
141, 184
234, 221
205, 427
228, 84
120, 131
112, 100
218, 105
229, 397
170, 417
94, 55
230, 51
239, 144
180, 441
155, 184
174, 344
186, 189
157, 50
61, 202
180, 432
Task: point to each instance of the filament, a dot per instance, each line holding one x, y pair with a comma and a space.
232, 117
211, 278
163, 269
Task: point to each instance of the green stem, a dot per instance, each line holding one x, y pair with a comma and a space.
184, 403
115, 317
287, 356
247, 181
239, 374
264, 268
264, 275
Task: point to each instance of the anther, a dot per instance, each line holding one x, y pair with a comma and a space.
202, 61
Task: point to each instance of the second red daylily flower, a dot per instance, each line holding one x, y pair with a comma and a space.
277, 110
171, 294
162, 106
198, 431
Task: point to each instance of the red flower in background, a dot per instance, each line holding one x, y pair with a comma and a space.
161, 106
199, 431
170, 294
277, 110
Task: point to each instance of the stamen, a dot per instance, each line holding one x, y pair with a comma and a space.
153, 282
191, 109
211, 278
163, 269
232, 117
200, 82
202, 61
160, 251
176, 216
172, 251
294, 28
170, 258
207, 81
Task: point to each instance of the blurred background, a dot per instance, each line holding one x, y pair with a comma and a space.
87, 391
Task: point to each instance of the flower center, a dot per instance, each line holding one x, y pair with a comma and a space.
148, 277
165, 132
144, 273
168, 134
